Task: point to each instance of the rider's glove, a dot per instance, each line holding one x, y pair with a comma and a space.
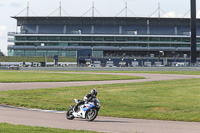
85, 98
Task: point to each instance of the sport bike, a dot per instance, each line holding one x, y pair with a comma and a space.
88, 111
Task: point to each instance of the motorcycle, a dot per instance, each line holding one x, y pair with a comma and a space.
88, 111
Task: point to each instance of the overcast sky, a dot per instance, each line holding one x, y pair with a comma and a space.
141, 8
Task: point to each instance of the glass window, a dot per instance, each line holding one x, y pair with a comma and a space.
41, 53
175, 45
175, 39
87, 38
98, 38
132, 39
120, 38
143, 39
154, 45
72, 53
97, 53
75, 38
20, 44
65, 38
142, 45
52, 53
10, 52
73, 44
20, 38
52, 44
67, 53
42, 38
167, 39
186, 39
109, 38
63, 44
86, 44
132, 44
154, 39
165, 45
29, 53
185, 45
62, 53
99, 44
53, 38
36, 44
18, 52
30, 44
31, 38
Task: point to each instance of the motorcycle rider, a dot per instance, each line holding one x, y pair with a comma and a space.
88, 98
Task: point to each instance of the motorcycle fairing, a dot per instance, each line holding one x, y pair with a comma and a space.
86, 107
83, 109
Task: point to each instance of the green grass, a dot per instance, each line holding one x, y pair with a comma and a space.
10, 128
176, 100
57, 77
153, 72
35, 59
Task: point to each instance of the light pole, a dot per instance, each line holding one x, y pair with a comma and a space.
193, 33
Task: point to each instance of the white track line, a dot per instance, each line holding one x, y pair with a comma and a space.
40, 110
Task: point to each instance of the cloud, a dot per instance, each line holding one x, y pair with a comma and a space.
12, 5
3, 31
15, 5
3, 39
170, 15
2, 5
198, 14
174, 15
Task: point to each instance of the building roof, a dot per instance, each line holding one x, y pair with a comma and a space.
92, 18
103, 20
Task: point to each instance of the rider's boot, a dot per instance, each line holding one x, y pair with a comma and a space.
75, 109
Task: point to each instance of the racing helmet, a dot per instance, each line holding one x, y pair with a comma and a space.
94, 92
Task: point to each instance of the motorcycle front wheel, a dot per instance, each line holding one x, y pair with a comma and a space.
91, 114
69, 114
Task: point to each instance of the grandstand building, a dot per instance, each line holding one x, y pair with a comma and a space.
105, 38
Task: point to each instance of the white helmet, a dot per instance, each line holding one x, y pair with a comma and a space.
94, 92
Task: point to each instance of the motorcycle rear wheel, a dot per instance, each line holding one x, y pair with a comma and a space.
91, 114
69, 115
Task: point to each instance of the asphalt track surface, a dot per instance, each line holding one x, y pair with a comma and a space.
102, 124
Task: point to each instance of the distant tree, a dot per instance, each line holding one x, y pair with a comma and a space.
1, 54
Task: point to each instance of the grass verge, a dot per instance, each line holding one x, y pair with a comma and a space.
6, 77
10, 128
176, 100
152, 72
